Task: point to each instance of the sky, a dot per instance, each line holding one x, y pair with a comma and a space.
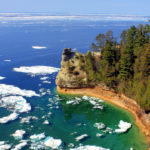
120, 7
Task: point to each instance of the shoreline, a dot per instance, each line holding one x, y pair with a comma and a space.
119, 100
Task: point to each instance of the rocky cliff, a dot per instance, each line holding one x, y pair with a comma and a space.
73, 72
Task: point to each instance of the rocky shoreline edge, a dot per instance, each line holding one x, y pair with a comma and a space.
120, 100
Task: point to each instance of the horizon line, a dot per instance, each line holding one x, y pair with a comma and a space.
75, 14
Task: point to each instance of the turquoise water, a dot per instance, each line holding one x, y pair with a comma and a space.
66, 121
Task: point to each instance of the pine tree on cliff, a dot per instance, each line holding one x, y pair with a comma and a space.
127, 57
89, 67
108, 61
100, 41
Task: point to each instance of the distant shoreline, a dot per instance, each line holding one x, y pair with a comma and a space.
117, 99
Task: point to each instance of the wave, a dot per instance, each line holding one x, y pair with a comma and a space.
7, 60
1, 78
12, 99
39, 47
36, 70
6, 90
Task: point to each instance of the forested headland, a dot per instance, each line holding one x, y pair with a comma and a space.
123, 66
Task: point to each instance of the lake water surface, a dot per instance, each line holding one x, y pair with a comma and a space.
72, 119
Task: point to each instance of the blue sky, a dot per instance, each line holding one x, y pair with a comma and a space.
123, 7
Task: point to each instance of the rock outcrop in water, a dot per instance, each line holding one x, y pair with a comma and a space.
73, 72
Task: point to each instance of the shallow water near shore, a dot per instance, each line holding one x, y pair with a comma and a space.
110, 115
68, 121
72, 119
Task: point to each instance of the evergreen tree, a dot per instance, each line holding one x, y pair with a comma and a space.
127, 58
100, 41
124, 67
93, 47
89, 66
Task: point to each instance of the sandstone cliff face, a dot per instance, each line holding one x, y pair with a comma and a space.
75, 73
71, 74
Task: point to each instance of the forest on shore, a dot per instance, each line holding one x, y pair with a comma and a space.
124, 66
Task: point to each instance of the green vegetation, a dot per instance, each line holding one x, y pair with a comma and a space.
123, 66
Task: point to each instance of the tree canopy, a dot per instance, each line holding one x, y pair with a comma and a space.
125, 66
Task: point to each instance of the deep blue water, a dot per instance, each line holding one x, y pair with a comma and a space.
16, 41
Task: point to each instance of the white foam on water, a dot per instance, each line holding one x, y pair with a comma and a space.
46, 122
108, 130
123, 127
44, 78
81, 137
47, 143
39, 47
99, 134
18, 134
48, 82
52, 143
2, 78
70, 145
37, 146
37, 70
2, 142
11, 117
37, 137
12, 99
71, 102
34, 117
20, 146
99, 126
85, 97
92, 100
4, 146
74, 49
7, 60
6, 90
18, 103
27, 119
98, 107
89, 147
44, 91
75, 101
